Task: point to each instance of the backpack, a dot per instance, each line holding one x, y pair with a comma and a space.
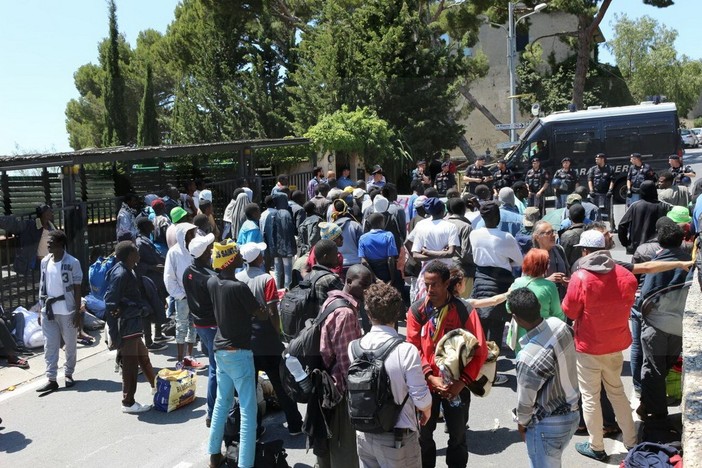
309, 233
97, 275
371, 405
305, 347
268, 455
299, 305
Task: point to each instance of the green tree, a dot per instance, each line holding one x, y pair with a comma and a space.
115, 131
148, 133
645, 53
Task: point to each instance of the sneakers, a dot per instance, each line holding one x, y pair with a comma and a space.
584, 448
136, 408
157, 346
189, 362
500, 379
50, 386
162, 339
69, 381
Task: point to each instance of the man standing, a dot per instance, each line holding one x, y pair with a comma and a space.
59, 296
564, 181
444, 180
477, 174
428, 320
177, 260
671, 193
537, 180
571, 236
601, 183
639, 222
234, 306
195, 280
378, 251
312, 184
418, 172
547, 381
662, 303
265, 334
464, 255
599, 299
377, 179
345, 181
34, 236
123, 311
682, 174
336, 333
404, 369
638, 173
502, 177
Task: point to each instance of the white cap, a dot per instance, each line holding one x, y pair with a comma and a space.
199, 244
206, 195
358, 193
380, 204
592, 239
251, 250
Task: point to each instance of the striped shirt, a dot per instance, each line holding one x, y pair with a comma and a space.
547, 380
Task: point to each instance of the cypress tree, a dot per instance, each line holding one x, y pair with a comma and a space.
113, 89
147, 132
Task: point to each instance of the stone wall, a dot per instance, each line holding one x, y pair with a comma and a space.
691, 406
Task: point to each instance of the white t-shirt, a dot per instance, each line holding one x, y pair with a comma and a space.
495, 248
435, 234
55, 287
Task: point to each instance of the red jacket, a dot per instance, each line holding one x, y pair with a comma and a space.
419, 333
600, 305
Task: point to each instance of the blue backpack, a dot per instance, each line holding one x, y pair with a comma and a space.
97, 275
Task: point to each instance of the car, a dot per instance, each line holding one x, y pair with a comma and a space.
688, 138
698, 134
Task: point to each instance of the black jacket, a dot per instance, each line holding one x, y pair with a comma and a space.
639, 222
124, 293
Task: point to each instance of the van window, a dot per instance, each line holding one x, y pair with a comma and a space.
576, 144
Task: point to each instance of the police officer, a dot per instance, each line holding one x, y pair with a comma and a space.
682, 174
637, 174
477, 174
537, 179
502, 176
564, 181
601, 184
444, 179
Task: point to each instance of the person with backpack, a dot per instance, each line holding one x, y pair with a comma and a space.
401, 379
308, 231
151, 265
234, 306
428, 320
351, 231
329, 231
378, 251
339, 329
279, 235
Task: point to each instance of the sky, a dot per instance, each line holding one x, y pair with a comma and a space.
42, 43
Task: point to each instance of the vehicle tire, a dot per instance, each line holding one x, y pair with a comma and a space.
620, 191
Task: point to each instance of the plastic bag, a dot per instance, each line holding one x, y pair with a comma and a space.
174, 389
33, 336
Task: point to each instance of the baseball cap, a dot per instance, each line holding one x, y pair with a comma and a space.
565, 159
573, 198
501, 161
531, 216
535, 159
251, 250
358, 193
674, 157
480, 158
636, 155
157, 202
420, 162
206, 195
419, 201
592, 239
377, 169
600, 155
199, 244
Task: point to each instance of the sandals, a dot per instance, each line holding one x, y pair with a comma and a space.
86, 341
18, 362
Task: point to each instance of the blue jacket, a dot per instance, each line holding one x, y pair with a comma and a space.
280, 229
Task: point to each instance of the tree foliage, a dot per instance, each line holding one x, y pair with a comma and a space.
115, 131
148, 133
645, 53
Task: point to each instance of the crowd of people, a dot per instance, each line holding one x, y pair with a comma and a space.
453, 266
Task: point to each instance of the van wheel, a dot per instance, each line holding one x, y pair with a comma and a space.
620, 191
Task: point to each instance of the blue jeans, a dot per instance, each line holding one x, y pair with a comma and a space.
634, 197
283, 271
547, 439
207, 336
235, 372
561, 200
636, 358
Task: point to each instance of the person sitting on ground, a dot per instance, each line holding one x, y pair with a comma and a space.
60, 298
384, 306
9, 348
34, 237
123, 302
250, 231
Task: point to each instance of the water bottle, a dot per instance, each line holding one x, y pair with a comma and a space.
445, 374
295, 367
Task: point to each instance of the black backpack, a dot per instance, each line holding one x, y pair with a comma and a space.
305, 347
268, 455
371, 405
299, 305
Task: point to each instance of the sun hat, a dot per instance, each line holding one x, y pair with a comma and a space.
573, 198
205, 195
592, 239
679, 214
224, 253
177, 214
531, 216
251, 250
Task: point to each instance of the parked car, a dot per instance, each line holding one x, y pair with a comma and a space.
698, 134
688, 138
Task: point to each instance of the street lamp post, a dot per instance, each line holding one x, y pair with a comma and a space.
511, 59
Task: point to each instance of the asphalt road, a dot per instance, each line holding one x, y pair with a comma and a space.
84, 426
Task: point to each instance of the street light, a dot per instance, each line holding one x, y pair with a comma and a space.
511, 57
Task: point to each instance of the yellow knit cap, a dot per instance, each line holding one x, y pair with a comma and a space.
223, 253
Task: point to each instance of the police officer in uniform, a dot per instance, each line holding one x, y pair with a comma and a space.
682, 174
502, 176
537, 179
637, 174
564, 181
477, 174
601, 184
